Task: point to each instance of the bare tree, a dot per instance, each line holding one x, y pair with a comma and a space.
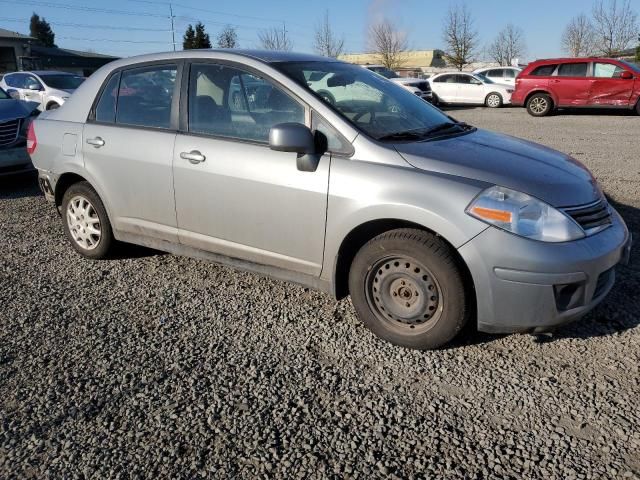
388, 43
459, 36
325, 41
275, 39
228, 38
578, 38
616, 26
508, 45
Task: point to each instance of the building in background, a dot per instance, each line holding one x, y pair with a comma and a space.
22, 52
413, 62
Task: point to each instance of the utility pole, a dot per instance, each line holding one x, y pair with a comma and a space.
173, 31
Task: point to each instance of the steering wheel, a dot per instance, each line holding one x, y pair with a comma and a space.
361, 114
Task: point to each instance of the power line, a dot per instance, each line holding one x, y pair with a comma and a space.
99, 27
67, 6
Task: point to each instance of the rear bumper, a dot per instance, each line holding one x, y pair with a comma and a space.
528, 286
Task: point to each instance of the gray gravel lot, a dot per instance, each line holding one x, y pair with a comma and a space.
151, 365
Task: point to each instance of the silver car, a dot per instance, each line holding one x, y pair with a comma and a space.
425, 221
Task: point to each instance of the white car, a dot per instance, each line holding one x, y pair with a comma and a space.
48, 88
506, 75
418, 86
469, 89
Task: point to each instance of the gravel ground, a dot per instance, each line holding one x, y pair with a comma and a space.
151, 365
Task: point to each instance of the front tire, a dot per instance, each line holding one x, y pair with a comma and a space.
493, 100
85, 221
539, 105
407, 288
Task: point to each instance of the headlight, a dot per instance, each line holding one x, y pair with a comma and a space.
523, 215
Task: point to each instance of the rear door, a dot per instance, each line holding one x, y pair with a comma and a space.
445, 87
128, 145
571, 85
607, 87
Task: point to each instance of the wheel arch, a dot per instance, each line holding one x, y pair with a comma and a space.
364, 232
63, 183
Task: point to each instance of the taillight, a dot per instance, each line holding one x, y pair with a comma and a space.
32, 142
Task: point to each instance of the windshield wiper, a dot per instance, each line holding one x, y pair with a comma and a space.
422, 133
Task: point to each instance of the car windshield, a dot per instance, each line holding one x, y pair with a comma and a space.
632, 66
379, 108
4, 95
62, 82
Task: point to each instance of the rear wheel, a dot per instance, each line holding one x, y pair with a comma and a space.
539, 105
85, 221
407, 289
493, 100
53, 106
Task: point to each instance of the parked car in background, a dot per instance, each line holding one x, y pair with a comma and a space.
506, 75
546, 85
15, 117
50, 89
468, 89
418, 86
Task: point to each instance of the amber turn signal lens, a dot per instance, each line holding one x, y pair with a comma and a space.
492, 214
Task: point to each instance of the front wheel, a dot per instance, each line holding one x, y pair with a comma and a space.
407, 288
85, 221
493, 100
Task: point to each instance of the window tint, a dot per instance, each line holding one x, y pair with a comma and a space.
446, 79
30, 80
14, 80
336, 143
495, 73
607, 70
573, 70
106, 107
544, 70
232, 103
145, 96
508, 73
463, 79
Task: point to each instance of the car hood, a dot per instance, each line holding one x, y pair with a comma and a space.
510, 162
11, 109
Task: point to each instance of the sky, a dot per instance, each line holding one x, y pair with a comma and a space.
131, 27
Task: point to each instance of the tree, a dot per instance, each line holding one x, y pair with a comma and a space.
40, 29
275, 39
189, 38
578, 38
508, 45
460, 38
388, 43
616, 26
325, 42
202, 37
228, 38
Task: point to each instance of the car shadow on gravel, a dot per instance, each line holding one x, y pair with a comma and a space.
19, 186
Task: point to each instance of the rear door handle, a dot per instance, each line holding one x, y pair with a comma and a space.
194, 156
96, 142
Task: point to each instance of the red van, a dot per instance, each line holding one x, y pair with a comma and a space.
545, 85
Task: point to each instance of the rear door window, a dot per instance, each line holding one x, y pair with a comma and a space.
544, 70
106, 107
573, 70
508, 73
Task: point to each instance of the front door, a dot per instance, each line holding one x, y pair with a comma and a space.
607, 86
571, 85
234, 195
128, 149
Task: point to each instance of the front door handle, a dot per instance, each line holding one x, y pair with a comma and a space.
194, 156
96, 142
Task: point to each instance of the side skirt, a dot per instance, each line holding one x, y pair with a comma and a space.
265, 270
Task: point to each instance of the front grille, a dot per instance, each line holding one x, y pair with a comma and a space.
9, 132
603, 282
593, 217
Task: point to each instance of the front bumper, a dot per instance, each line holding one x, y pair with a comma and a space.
529, 286
14, 160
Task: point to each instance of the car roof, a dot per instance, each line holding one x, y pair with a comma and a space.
43, 72
266, 56
572, 60
496, 68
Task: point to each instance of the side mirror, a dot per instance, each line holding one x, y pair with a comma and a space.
34, 86
292, 137
626, 75
295, 137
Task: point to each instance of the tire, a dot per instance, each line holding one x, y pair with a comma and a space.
435, 101
81, 209
53, 106
638, 108
539, 105
407, 289
493, 100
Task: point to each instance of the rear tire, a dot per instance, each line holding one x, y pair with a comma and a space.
53, 106
638, 108
407, 289
539, 105
493, 100
85, 221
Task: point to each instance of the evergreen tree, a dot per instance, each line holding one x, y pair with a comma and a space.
40, 29
188, 40
202, 38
